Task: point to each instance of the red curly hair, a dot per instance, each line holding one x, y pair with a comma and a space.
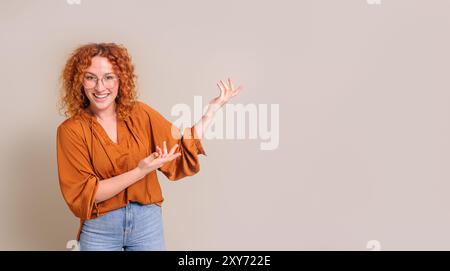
73, 99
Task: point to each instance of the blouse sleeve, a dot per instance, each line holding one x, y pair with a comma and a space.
189, 145
77, 180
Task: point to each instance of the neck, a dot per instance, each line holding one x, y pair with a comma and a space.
106, 114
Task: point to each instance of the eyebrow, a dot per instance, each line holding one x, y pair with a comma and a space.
103, 74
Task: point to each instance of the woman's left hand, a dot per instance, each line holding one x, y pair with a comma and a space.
227, 91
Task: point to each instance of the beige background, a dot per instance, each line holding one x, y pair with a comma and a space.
364, 118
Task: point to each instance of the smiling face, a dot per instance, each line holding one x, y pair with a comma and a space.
101, 85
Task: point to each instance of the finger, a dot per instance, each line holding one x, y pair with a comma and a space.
236, 91
222, 91
230, 83
226, 91
223, 85
173, 156
164, 148
159, 150
174, 148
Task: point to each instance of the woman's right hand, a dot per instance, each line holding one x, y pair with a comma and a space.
158, 158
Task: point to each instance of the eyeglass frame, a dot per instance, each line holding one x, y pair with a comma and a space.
116, 78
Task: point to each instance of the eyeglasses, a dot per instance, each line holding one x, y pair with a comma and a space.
90, 81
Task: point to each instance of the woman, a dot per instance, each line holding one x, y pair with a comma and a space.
110, 147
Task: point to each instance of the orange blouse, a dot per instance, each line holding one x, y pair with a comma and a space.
86, 155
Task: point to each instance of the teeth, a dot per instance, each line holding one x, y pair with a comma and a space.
101, 96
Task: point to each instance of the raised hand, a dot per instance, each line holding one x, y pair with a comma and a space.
227, 91
158, 158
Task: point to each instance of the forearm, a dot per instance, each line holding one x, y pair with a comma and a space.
202, 126
108, 188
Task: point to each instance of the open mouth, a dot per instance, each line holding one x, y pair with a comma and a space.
101, 96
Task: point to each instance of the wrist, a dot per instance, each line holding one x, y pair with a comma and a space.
139, 172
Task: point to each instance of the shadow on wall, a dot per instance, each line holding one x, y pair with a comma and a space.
41, 219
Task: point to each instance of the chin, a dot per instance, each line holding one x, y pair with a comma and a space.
102, 105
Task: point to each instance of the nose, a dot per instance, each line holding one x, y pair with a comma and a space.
100, 87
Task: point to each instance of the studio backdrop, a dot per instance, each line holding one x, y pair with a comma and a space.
340, 139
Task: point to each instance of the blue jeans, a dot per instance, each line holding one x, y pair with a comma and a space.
133, 227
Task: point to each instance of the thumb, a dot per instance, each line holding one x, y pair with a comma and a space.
153, 155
